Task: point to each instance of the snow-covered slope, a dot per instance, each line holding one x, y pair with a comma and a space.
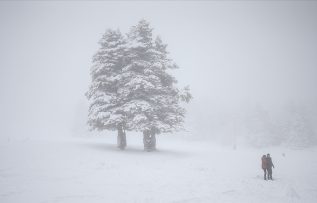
94, 170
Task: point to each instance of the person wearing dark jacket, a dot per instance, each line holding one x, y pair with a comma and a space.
264, 165
269, 166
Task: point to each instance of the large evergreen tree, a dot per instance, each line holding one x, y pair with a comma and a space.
131, 88
154, 100
105, 112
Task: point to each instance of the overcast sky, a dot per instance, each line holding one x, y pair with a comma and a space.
230, 53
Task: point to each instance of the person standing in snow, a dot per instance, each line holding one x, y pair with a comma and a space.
264, 165
269, 166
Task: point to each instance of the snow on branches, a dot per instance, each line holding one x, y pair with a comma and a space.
130, 86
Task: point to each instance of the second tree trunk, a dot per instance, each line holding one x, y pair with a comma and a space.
149, 140
121, 139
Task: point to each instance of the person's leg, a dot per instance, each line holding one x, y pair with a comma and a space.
269, 170
264, 173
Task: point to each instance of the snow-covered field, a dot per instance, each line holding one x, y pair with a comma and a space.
182, 170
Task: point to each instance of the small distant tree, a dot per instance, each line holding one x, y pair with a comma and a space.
298, 130
262, 131
153, 104
105, 109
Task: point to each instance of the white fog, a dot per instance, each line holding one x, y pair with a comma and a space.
251, 70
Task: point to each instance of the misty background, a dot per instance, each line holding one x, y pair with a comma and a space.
251, 66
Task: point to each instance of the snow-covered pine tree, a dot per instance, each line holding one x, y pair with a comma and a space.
299, 130
152, 99
105, 110
262, 132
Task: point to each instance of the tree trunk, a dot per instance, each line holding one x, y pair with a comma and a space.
121, 139
149, 140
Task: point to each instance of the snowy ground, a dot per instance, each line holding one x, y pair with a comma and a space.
94, 170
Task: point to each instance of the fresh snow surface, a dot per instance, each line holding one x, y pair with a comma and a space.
181, 170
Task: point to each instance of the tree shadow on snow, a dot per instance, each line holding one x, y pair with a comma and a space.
105, 147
